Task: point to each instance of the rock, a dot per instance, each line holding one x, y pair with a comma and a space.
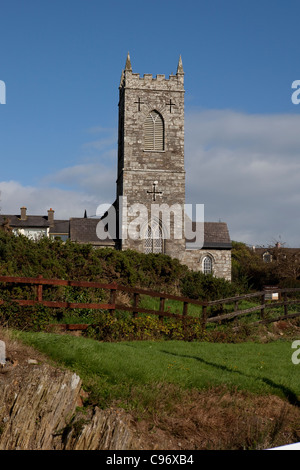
38, 411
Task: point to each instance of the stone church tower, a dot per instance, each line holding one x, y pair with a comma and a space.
151, 156
151, 174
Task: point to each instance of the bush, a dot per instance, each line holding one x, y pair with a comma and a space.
197, 285
144, 327
27, 318
20, 256
289, 284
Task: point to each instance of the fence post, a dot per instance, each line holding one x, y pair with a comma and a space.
161, 308
112, 300
204, 317
136, 299
262, 309
40, 290
285, 303
184, 315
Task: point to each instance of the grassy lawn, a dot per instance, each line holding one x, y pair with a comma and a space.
130, 372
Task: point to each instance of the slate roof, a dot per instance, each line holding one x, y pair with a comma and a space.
35, 221
216, 235
84, 230
31, 221
60, 226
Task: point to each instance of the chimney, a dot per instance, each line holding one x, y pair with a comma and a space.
51, 217
23, 213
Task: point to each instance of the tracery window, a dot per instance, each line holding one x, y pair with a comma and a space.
153, 242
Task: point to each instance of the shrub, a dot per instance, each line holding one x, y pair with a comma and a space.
20, 256
144, 327
197, 285
34, 318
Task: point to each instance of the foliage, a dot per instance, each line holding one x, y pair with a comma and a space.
289, 283
249, 271
197, 285
26, 318
21, 256
112, 328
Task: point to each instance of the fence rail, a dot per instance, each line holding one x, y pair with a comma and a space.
136, 293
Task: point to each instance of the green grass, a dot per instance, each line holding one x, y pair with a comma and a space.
112, 371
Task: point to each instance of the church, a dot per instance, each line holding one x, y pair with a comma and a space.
150, 180
151, 174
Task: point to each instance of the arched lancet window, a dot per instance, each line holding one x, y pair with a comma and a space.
153, 242
154, 132
207, 265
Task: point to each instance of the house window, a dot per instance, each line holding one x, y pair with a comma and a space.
154, 132
207, 265
153, 242
267, 257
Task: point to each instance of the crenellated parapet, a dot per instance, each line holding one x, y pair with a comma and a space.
130, 79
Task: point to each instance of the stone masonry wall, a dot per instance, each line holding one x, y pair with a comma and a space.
221, 261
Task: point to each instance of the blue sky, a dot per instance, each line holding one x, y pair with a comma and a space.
62, 60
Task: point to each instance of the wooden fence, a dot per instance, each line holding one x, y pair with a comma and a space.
135, 294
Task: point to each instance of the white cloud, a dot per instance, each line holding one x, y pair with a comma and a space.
71, 190
246, 170
66, 203
95, 179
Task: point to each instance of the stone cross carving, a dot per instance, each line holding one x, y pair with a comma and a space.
154, 192
171, 104
139, 102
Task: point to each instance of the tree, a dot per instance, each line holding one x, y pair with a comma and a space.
249, 271
285, 262
5, 226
